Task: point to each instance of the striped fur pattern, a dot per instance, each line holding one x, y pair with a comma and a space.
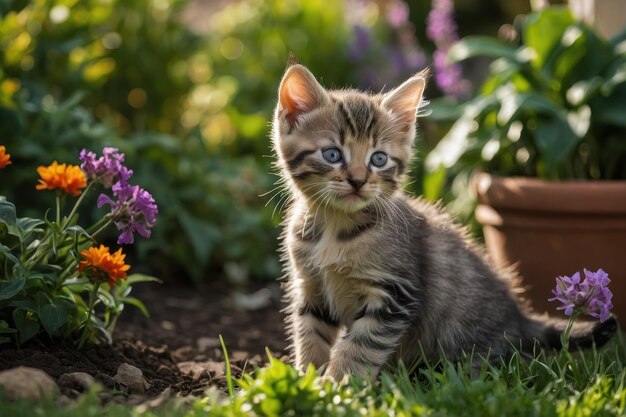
374, 277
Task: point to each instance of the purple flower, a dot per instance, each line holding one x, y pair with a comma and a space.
360, 43
442, 30
134, 210
591, 296
107, 169
441, 27
397, 14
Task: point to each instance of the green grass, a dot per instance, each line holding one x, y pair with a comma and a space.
582, 384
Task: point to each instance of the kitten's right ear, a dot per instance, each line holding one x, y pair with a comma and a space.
299, 93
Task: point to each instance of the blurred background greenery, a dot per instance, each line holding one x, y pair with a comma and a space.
186, 88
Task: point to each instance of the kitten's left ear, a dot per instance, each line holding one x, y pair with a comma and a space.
404, 101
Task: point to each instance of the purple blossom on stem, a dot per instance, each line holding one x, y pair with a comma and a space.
134, 210
360, 43
442, 30
107, 169
591, 296
397, 14
441, 26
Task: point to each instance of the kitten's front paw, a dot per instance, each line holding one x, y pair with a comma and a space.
334, 373
338, 371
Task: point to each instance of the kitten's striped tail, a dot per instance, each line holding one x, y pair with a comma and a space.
583, 335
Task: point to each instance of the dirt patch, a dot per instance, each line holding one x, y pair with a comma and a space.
178, 347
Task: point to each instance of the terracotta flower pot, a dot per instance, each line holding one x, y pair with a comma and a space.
555, 228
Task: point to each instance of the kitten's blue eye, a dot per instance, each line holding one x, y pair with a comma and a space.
378, 159
332, 155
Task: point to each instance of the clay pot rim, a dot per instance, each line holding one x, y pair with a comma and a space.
533, 194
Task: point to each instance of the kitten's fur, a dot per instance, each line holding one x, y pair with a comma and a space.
373, 276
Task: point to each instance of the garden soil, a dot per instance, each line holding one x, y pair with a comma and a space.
177, 348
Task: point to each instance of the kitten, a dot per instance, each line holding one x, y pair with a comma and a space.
374, 277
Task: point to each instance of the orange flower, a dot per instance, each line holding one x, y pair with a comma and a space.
68, 178
5, 158
102, 265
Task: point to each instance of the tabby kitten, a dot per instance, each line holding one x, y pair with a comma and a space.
374, 277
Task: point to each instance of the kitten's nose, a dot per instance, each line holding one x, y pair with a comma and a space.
357, 183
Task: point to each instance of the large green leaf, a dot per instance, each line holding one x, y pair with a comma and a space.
26, 226
10, 288
7, 213
26, 327
138, 304
457, 140
53, 315
25, 304
530, 102
473, 46
555, 139
544, 30
135, 278
581, 55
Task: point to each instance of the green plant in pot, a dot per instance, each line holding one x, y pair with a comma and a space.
544, 139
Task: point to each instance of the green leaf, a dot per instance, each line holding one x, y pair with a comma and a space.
137, 303
543, 31
53, 316
26, 327
78, 230
5, 328
26, 304
135, 278
458, 139
443, 110
106, 298
580, 55
555, 138
473, 46
7, 213
9, 289
514, 104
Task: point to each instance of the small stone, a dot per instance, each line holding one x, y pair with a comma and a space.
239, 356
80, 381
183, 354
215, 369
255, 301
206, 343
132, 378
27, 384
197, 370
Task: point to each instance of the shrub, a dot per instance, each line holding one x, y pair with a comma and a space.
55, 277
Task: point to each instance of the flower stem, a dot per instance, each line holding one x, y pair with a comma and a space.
568, 329
92, 300
80, 200
58, 200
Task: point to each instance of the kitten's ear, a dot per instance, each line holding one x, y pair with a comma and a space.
404, 101
299, 93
